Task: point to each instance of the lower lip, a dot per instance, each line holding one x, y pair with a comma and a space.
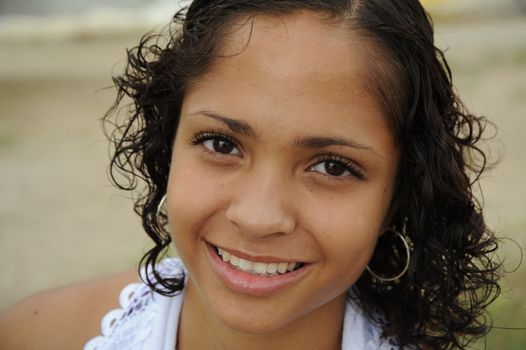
247, 283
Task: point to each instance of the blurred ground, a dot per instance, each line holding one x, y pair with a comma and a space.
61, 221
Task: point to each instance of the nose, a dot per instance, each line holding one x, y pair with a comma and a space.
260, 207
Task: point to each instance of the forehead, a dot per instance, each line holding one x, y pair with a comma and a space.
293, 65
299, 46
292, 39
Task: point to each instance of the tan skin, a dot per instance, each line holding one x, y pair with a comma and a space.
62, 318
264, 189
269, 195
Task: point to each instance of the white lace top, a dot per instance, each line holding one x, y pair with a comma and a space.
149, 321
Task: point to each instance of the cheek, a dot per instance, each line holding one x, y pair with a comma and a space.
347, 229
349, 245
186, 198
347, 250
193, 196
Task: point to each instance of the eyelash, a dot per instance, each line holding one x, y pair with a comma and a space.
352, 168
201, 137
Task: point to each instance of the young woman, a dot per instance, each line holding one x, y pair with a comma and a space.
313, 166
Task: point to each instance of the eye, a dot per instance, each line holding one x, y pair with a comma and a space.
332, 168
217, 143
337, 167
221, 146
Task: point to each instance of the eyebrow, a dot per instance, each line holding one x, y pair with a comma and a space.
321, 142
236, 126
240, 127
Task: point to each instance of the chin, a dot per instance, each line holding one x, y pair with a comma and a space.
250, 324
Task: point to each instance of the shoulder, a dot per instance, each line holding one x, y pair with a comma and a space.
62, 318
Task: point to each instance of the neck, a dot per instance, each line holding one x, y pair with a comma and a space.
319, 329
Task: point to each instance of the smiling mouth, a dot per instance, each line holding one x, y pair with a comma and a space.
257, 267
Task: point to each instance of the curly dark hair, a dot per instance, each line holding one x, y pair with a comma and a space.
441, 301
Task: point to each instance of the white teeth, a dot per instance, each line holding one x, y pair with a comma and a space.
272, 268
260, 268
224, 255
256, 267
282, 267
245, 265
234, 260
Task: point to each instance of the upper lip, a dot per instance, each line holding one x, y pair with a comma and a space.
257, 258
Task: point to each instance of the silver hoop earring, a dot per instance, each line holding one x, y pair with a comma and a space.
160, 220
406, 266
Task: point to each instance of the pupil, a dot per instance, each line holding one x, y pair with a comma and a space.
222, 146
334, 168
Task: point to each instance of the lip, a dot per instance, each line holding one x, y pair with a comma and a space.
250, 284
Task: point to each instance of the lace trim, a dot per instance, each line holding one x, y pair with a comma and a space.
129, 326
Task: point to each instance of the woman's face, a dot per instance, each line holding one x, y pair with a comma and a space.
282, 159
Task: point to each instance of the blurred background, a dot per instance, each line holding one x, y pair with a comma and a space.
60, 219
